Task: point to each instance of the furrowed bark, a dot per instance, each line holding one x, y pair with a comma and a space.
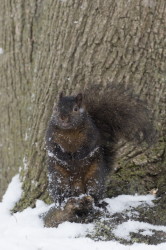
49, 46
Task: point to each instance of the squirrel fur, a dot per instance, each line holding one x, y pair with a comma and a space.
81, 136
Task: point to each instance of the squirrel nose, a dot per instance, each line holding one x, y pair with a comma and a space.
64, 118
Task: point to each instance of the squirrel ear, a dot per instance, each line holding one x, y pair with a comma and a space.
60, 95
79, 98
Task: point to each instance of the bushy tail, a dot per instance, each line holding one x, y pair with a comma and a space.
117, 113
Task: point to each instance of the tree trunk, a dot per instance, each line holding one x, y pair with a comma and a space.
49, 46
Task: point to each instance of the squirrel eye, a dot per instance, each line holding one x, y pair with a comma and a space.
75, 109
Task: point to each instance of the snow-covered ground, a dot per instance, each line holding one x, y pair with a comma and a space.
25, 231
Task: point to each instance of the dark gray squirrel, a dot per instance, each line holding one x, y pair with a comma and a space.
82, 134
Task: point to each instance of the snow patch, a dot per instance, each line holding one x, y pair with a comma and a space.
124, 230
25, 230
13, 193
25, 163
125, 202
1, 51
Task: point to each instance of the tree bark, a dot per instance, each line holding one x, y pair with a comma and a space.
49, 46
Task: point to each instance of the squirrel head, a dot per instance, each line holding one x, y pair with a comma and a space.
69, 112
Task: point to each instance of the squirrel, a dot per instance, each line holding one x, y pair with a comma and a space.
82, 134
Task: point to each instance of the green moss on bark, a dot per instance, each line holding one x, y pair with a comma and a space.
140, 174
